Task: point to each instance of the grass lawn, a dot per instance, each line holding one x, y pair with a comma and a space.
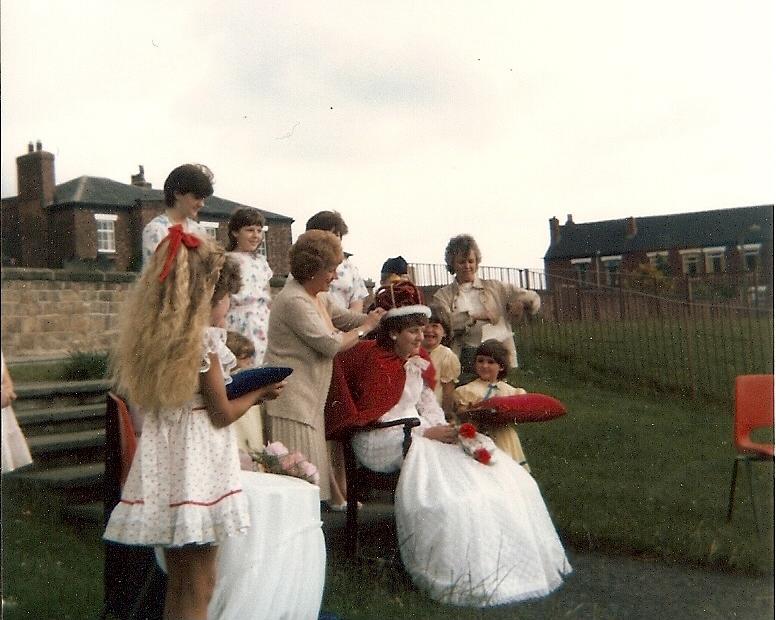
646, 474
631, 472
51, 569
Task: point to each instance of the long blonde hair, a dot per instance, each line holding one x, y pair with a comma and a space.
157, 358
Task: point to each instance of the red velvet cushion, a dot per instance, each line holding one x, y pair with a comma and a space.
525, 407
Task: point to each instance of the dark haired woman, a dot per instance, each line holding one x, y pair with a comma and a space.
185, 190
470, 534
249, 312
306, 331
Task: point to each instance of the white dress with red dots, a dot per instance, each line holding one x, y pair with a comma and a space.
184, 484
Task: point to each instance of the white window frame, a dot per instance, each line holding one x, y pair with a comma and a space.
750, 249
581, 271
262, 249
658, 260
211, 228
693, 254
709, 254
105, 224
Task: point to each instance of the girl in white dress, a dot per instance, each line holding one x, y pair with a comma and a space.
15, 451
183, 490
470, 534
249, 311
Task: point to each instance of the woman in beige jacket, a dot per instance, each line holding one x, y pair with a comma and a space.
477, 310
306, 331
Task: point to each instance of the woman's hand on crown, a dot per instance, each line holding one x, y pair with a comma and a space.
373, 319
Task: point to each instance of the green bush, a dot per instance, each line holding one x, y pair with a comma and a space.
85, 365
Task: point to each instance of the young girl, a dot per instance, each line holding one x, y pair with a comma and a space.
249, 429
445, 362
491, 364
185, 190
183, 491
249, 312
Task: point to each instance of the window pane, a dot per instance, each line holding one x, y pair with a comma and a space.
106, 238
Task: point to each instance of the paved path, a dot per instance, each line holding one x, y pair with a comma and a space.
611, 586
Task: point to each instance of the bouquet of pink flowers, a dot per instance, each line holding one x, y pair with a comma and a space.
275, 458
478, 446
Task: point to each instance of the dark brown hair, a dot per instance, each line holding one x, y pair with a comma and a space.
395, 325
330, 221
496, 350
244, 216
194, 178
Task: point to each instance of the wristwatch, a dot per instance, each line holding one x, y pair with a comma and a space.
361, 333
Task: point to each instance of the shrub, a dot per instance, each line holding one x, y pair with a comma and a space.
84, 365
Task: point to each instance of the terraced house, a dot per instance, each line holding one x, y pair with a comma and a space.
724, 244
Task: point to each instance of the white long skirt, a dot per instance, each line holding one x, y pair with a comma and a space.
276, 569
471, 534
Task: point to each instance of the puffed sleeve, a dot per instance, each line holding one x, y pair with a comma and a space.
465, 396
429, 409
215, 343
153, 234
449, 368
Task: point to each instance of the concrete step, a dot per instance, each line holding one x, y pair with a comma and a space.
59, 394
53, 444
68, 477
60, 419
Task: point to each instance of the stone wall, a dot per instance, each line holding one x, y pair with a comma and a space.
48, 313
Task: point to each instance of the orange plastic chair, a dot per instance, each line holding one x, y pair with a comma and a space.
753, 409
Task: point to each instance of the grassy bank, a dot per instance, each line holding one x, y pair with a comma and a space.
626, 471
646, 474
702, 354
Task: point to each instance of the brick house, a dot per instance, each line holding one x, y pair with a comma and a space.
97, 223
685, 245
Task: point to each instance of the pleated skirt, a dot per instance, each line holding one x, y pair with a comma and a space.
301, 437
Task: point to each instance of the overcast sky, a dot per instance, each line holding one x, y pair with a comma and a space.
416, 120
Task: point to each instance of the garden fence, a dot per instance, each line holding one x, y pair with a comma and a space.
690, 347
676, 343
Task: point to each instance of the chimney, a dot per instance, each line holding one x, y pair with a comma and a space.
35, 175
569, 219
630, 227
139, 178
554, 229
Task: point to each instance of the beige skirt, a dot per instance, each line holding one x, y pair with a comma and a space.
297, 436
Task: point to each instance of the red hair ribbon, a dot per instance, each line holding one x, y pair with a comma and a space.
177, 236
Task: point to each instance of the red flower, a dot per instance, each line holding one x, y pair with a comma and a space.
482, 455
467, 430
